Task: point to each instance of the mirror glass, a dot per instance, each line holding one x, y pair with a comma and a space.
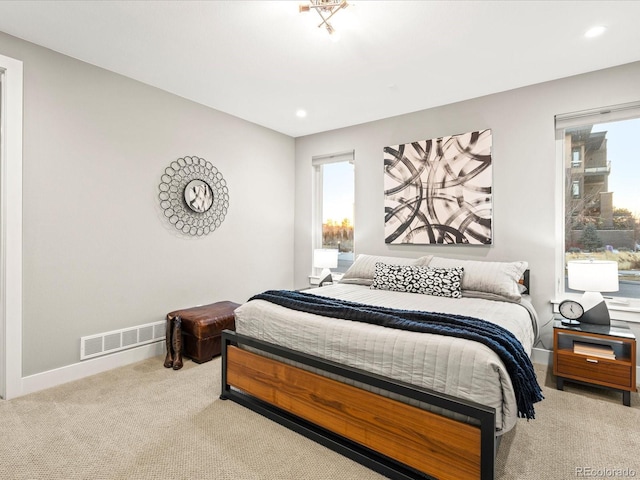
198, 196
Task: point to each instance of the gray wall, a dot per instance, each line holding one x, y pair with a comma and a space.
98, 253
524, 171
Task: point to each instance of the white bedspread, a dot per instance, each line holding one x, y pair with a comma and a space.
455, 366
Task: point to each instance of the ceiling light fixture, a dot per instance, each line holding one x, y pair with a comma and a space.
326, 9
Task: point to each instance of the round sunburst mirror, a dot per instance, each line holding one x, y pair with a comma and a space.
194, 196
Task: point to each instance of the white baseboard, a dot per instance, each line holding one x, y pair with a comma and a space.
542, 356
76, 371
86, 368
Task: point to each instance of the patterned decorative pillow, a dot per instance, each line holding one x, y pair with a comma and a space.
440, 282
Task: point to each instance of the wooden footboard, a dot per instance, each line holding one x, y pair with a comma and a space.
389, 436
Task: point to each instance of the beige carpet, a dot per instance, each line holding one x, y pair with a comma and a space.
147, 422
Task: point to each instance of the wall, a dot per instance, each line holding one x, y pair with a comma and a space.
524, 170
98, 253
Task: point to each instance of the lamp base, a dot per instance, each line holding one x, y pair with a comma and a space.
595, 309
325, 277
598, 315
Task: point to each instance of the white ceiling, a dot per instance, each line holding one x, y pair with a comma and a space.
263, 60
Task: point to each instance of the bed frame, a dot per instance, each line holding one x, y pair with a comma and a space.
393, 438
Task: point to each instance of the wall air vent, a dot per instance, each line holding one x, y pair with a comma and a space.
117, 340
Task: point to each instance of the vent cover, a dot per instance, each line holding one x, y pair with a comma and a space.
116, 340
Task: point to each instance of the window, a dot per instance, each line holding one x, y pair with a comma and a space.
601, 165
334, 196
575, 189
575, 157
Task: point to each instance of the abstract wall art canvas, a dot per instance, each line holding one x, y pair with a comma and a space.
439, 191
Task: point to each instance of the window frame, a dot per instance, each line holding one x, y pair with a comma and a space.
621, 308
317, 162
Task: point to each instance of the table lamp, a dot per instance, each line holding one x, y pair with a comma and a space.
325, 259
593, 277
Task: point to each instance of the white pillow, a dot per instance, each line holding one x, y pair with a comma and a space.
362, 270
499, 278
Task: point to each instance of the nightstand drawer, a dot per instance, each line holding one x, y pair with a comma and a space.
594, 370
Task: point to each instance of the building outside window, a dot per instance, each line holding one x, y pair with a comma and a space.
601, 168
334, 196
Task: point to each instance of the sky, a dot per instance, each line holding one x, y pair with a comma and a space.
623, 150
338, 191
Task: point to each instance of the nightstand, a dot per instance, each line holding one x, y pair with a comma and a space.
595, 354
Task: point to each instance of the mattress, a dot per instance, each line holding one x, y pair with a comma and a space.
455, 366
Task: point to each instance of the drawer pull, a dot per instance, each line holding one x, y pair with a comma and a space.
592, 360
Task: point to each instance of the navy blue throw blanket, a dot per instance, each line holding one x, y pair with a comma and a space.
500, 340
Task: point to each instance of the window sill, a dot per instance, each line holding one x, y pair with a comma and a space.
315, 279
627, 314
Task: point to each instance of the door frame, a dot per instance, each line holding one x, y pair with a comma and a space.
11, 228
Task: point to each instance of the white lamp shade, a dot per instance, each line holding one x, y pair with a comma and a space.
325, 258
593, 275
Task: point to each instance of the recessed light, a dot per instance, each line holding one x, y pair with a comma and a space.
301, 113
595, 31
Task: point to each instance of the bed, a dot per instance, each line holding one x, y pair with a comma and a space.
407, 404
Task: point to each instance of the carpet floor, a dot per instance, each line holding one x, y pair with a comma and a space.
143, 421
